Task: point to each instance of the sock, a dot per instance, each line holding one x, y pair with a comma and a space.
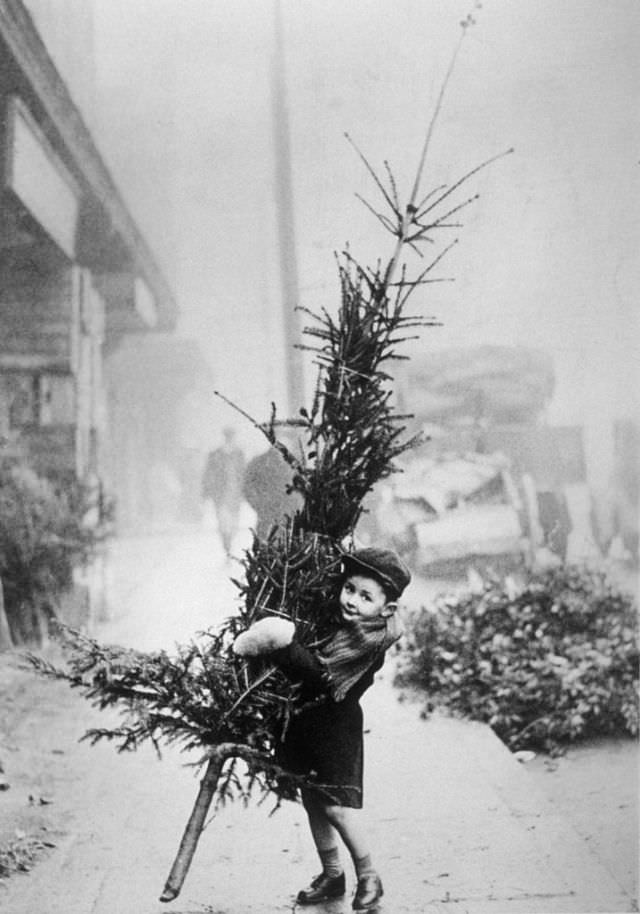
330, 859
363, 865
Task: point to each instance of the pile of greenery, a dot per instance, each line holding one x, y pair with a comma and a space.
545, 664
44, 535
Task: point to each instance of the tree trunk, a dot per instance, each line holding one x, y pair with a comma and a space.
194, 828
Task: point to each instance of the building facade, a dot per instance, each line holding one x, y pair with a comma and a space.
77, 277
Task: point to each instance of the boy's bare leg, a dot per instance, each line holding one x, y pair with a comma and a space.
327, 822
325, 836
331, 882
349, 824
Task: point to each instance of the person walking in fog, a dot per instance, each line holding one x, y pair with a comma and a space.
265, 488
324, 738
222, 486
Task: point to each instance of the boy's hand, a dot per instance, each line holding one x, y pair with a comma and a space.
264, 636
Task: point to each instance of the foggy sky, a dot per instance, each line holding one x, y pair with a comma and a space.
548, 255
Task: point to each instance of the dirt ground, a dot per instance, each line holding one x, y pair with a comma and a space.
595, 784
39, 725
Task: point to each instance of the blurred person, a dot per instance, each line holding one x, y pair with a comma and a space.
266, 480
222, 482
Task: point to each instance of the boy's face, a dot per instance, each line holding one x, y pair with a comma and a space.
363, 597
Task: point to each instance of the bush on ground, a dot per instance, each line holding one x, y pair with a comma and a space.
544, 664
44, 535
20, 854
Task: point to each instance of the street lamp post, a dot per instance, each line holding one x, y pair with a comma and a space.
286, 221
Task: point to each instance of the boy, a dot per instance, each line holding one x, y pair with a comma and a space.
324, 741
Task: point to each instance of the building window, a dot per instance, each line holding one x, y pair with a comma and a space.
22, 397
56, 399
38, 399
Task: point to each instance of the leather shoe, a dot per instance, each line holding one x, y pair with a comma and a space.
322, 888
368, 893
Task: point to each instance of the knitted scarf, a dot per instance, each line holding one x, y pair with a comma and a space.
354, 648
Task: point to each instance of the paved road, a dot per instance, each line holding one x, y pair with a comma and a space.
457, 826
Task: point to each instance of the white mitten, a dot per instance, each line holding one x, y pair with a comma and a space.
264, 636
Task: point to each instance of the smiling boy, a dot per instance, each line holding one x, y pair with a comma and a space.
324, 740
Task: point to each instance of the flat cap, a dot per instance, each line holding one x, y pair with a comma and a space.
383, 564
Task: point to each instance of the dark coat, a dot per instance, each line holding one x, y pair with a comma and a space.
324, 739
266, 480
223, 476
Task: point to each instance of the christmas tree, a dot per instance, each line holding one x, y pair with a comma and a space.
204, 697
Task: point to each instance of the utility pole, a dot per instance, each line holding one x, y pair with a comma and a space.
285, 220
